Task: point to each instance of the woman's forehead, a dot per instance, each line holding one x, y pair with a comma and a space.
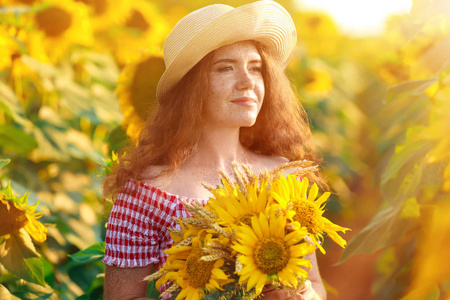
245, 49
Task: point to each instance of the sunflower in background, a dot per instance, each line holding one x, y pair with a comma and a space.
143, 28
107, 13
63, 23
316, 81
137, 90
16, 45
319, 34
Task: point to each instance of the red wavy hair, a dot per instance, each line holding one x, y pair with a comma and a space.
172, 135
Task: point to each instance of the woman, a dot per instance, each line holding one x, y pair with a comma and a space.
223, 97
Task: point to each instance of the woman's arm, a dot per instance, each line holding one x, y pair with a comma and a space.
315, 278
126, 283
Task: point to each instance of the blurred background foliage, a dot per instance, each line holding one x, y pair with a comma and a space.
78, 78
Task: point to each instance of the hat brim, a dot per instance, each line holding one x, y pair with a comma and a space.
263, 21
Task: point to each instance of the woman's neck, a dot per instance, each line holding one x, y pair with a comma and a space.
218, 148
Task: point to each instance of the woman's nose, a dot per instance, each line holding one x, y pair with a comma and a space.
245, 81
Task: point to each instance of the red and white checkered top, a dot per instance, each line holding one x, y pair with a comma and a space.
137, 232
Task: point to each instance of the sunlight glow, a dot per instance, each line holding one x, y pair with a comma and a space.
356, 17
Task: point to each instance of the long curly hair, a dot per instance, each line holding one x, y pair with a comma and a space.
171, 136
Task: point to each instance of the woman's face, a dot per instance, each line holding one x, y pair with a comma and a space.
236, 86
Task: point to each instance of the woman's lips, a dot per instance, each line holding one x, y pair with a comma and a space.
244, 101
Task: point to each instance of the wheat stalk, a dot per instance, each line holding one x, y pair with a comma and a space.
216, 252
199, 223
240, 178
155, 275
171, 289
220, 230
217, 245
225, 176
207, 186
249, 173
185, 242
176, 231
306, 165
200, 207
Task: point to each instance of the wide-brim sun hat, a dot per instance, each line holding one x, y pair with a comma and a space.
217, 25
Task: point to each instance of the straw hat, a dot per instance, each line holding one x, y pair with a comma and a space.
214, 26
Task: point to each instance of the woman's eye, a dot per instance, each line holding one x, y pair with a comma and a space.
225, 69
257, 69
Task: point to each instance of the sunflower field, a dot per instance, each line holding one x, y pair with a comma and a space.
78, 78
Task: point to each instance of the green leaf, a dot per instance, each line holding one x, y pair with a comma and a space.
18, 256
84, 297
33, 291
410, 88
4, 162
152, 291
92, 253
410, 209
16, 140
385, 228
11, 105
413, 151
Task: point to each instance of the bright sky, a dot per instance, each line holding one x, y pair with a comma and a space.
359, 17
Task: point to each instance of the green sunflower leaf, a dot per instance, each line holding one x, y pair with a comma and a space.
92, 253
18, 255
16, 140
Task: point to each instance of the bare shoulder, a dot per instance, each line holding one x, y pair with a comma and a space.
151, 176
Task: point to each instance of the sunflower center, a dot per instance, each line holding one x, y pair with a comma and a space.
137, 21
246, 219
308, 215
98, 5
199, 272
54, 21
11, 218
314, 22
271, 255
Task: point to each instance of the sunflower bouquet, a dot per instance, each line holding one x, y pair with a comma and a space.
254, 231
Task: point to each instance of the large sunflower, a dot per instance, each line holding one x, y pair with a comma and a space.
304, 209
319, 34
107, 13
137, 90
15, 44
233, 207
143, 28
15, 214
63, 22
191, 274
267, 252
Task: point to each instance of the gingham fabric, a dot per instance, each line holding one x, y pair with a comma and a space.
137, 232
